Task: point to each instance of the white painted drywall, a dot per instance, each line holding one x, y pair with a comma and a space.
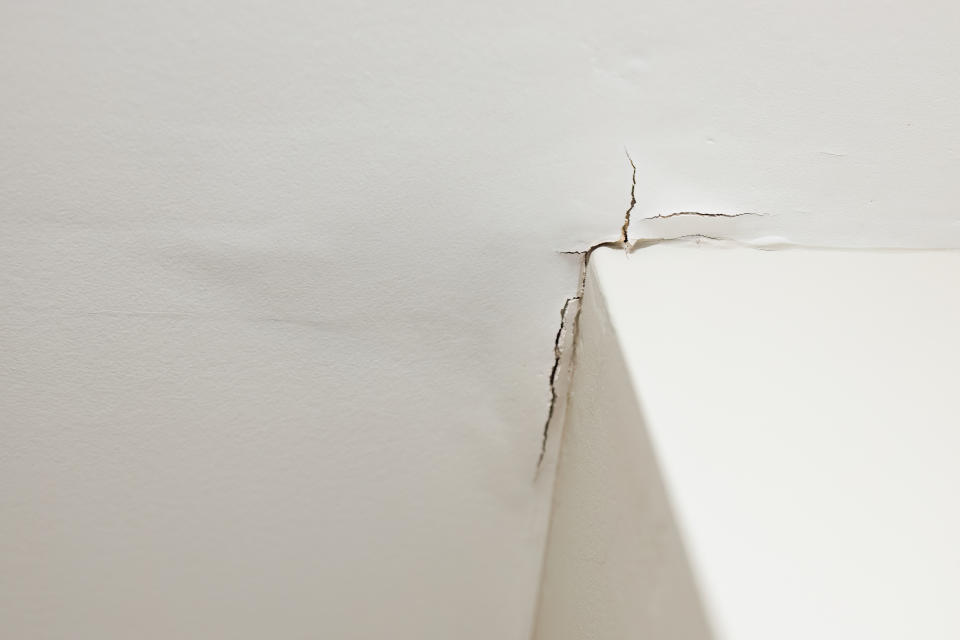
799, 407
279, 281
278, 298
615, 566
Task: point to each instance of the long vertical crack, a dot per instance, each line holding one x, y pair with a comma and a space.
557, 356
622, 243
625, 229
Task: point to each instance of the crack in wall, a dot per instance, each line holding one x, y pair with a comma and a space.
574, 323
569, 324
557, 356
622, 243
661, 216
625, 229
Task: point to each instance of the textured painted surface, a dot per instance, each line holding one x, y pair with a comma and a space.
799, 407
278, 282
615, 567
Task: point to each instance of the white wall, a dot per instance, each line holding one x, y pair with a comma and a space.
278, 297
279, 282
776, 428
615, 564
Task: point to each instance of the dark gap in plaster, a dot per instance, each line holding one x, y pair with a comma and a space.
661, 216
574, 323
624, 230
622, 243
557, 355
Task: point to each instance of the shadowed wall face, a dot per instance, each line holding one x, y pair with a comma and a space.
615, 567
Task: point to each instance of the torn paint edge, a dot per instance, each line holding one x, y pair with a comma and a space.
569, 326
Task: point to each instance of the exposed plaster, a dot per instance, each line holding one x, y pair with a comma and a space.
622, 243
557, 356
660, 216
568, 324
625, 229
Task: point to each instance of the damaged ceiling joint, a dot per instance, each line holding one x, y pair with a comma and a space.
661, 216
568, 324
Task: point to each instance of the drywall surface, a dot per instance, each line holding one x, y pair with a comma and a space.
801, 408
278, 289
835, 119
614, 564
279, 282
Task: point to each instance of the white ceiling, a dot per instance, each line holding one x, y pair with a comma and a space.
279, 281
